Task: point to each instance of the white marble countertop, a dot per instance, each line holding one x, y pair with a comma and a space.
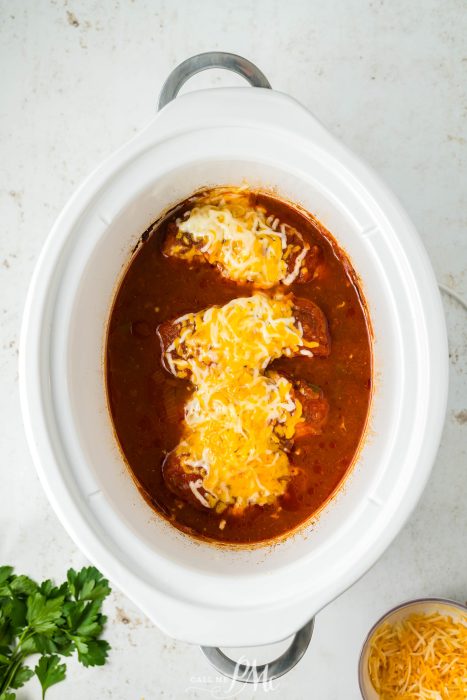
390, 79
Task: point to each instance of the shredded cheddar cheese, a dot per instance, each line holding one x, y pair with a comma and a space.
237, 418
246, 333
422, 657
233, 433
241, 240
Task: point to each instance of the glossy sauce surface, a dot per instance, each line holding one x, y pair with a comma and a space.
147, 403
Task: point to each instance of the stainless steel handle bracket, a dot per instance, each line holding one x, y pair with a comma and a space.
264, 672
203, 61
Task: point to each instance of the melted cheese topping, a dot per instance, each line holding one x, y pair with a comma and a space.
241, 240
233, 434
422, 657
237, 418
246, 333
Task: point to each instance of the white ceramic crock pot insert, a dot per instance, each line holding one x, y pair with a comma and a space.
194, 591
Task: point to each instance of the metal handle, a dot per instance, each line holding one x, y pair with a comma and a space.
203, 61
264, 672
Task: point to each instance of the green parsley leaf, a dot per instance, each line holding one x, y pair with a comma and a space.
44, 615
23, 585
6, 576
21, 676
5, 573
87, 584
48, 589
50, 671
15, 613
95, 653
85, 619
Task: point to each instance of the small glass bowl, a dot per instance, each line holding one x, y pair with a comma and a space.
427, 606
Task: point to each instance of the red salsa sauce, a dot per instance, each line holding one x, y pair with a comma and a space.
147, 403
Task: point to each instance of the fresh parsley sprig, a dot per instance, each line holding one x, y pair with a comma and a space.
51, 621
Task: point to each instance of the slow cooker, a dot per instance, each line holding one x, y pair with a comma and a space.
203, 594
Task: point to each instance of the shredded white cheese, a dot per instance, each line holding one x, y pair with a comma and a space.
241, 240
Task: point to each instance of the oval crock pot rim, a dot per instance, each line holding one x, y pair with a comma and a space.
106, 169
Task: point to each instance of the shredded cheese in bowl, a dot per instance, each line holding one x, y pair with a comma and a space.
419, 656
